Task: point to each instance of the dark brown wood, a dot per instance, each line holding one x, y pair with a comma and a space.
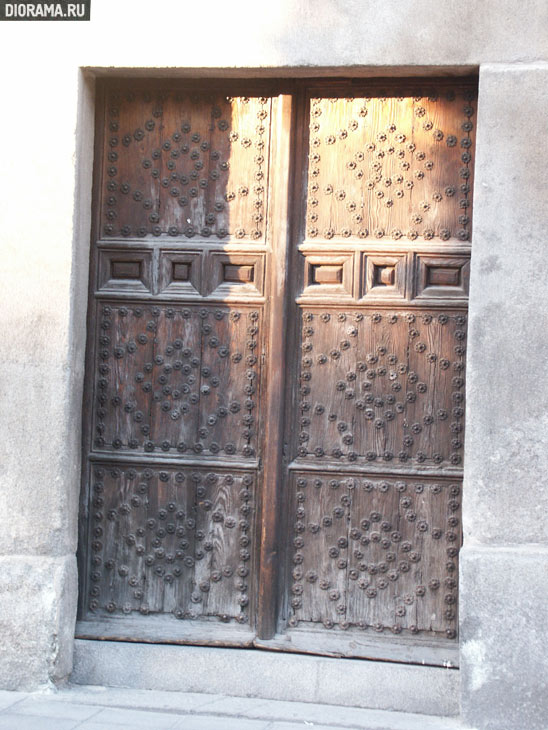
372, 540
274, 401
161, 629
273, 473
175, 384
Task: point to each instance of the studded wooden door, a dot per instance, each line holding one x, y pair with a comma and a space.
188, 182
199, 521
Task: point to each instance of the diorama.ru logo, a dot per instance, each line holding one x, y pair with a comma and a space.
62, 10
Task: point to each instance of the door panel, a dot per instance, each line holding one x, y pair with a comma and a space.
395, 388
176, 361
387, 165
184, 163
172, 540
177, 379
376, 425
274, 408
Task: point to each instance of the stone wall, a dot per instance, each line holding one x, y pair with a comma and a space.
504, 563
47, 133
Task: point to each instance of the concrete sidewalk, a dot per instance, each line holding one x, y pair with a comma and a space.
100, 708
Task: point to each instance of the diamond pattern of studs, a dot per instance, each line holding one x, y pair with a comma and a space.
166, 540
191, 165
391, 166
177, 380
396, 387
376, 554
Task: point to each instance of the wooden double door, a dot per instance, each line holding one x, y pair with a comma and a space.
275, 376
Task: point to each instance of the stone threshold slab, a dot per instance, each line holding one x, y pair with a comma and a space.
267, 675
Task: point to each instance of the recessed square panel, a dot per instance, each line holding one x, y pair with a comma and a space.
124, 271
383, 276
328, 275
236, 274
180, 272
442, 276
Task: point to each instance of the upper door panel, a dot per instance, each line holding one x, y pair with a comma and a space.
185, 163
387, 165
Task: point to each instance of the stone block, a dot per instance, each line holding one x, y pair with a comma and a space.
37, 614
506, 454
268, 675
384, 36
39, 456
313, 33
504, 614
230, 672
43, 302
388, 686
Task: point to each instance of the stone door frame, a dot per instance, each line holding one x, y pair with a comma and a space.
503, 560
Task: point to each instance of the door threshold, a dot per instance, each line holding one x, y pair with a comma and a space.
356, 645
277, 675
166, 630
349, 644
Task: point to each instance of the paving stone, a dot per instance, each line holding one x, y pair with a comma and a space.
113, 716
101, 708
304, 713
93, 725
47, 706
136, 698
247, 706
8, 699
9, 721
211, 722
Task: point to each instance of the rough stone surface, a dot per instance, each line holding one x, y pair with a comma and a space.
43, 303
270, 675
505, 499
504, 662
308, 33
37, 612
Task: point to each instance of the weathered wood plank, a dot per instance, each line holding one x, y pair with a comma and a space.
275, 351
356, 645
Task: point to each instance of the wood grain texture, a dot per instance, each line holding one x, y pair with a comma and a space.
352, 642
380, 348
274, 416
175, 355
395, 386
183, 163
390, 165
375, 553
177, 379
271, 493
168, 540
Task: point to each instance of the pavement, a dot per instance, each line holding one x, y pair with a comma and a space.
102, 708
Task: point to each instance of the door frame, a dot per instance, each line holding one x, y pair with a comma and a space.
290, 149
